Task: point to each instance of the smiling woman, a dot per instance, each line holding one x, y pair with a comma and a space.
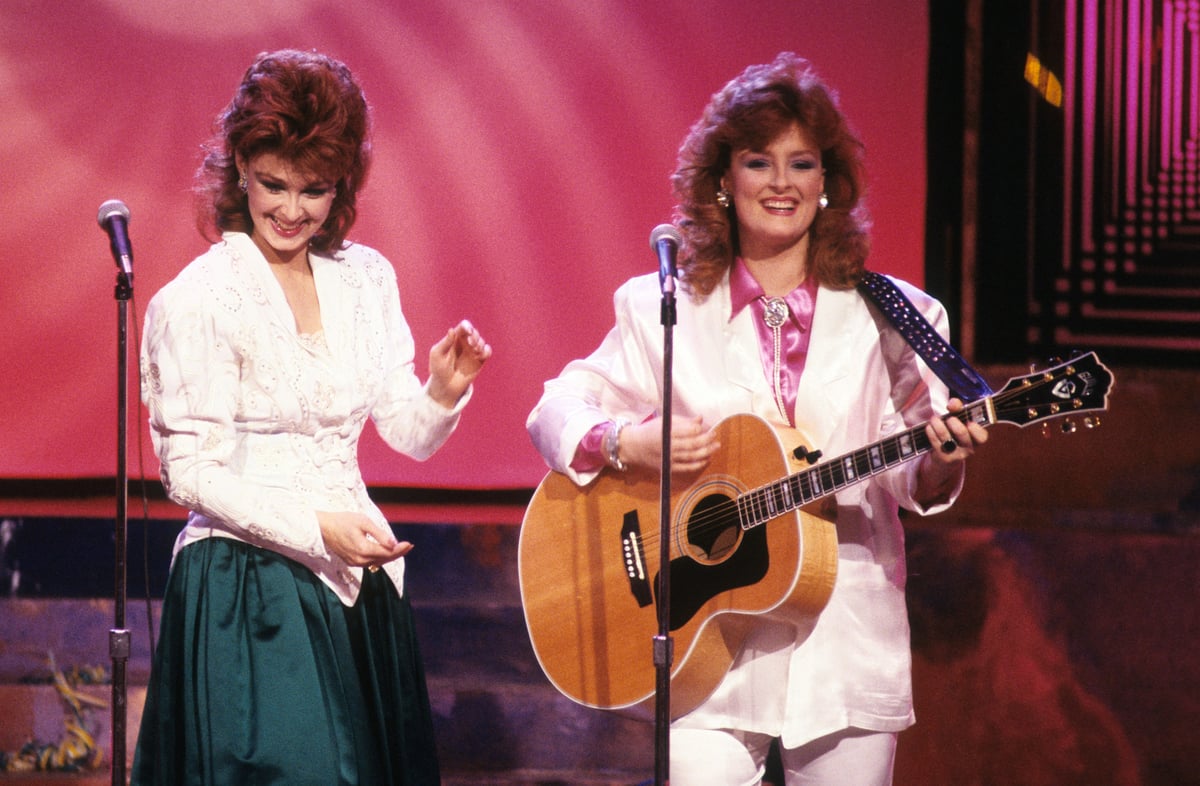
287, 209
776, 192
769, 187
262, 361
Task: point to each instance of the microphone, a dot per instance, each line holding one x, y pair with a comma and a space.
665, 241
114, 219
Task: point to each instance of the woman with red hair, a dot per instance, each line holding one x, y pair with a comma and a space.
774, 241
287, 652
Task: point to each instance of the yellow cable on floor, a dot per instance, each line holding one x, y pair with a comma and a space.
77, 749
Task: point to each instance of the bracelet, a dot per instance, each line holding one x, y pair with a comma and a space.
612, 443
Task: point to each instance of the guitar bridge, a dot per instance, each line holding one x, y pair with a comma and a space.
634, 554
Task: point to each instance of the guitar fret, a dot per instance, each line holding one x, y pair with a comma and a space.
761, 504
891, 452
829, 478
785, 495
977, 413
752, 502
833, 476
862, 462
797, 490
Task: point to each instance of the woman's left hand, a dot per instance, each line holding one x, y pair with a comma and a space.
952, 439
455, 361
953, 442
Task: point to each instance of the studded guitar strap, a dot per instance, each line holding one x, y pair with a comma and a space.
964, 382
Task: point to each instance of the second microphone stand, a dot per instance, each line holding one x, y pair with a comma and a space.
663, 644
118, 637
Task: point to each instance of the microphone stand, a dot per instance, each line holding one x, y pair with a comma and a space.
118, 637
663, 644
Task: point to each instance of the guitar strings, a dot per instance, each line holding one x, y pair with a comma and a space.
726, 514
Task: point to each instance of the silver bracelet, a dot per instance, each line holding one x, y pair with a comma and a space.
612, 444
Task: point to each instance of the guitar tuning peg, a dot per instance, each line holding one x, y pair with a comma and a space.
1091, 422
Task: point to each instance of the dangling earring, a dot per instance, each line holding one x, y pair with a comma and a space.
242, 182
823, 200
723, 198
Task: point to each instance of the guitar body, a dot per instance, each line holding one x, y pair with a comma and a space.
589, 559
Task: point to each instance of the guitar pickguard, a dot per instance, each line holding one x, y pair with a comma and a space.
693, 583
718, 557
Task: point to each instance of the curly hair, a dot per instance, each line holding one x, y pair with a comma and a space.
755, 107
305, 108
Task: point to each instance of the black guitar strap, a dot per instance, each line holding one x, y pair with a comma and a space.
964, 382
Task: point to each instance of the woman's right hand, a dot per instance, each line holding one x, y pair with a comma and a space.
358, 540
692, 445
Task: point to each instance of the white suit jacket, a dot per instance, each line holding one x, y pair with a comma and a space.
861, 383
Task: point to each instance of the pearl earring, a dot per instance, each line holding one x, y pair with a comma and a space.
723, 198
823, 200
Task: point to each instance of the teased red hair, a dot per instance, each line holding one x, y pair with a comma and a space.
750, 111
305, 108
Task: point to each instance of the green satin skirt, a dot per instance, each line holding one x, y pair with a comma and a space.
262, 676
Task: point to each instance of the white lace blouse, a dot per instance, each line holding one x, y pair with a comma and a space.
256, 427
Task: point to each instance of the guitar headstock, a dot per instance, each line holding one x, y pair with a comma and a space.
1077, 386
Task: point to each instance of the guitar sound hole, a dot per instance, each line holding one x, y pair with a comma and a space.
713, 529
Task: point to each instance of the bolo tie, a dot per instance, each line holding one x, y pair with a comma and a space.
775, 313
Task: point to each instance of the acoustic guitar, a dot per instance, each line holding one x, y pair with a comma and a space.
747, 538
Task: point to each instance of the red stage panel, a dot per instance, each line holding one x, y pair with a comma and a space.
523, 150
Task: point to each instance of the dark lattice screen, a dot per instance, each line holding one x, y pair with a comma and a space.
1071, 223
1131, 264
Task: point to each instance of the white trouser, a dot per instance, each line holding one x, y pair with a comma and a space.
716, 757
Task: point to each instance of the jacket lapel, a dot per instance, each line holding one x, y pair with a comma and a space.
817, 411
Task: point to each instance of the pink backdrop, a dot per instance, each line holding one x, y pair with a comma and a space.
522, 155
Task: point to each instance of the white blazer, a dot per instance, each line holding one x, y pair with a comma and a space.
861, 383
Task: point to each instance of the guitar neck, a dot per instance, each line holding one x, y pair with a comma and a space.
762, 504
